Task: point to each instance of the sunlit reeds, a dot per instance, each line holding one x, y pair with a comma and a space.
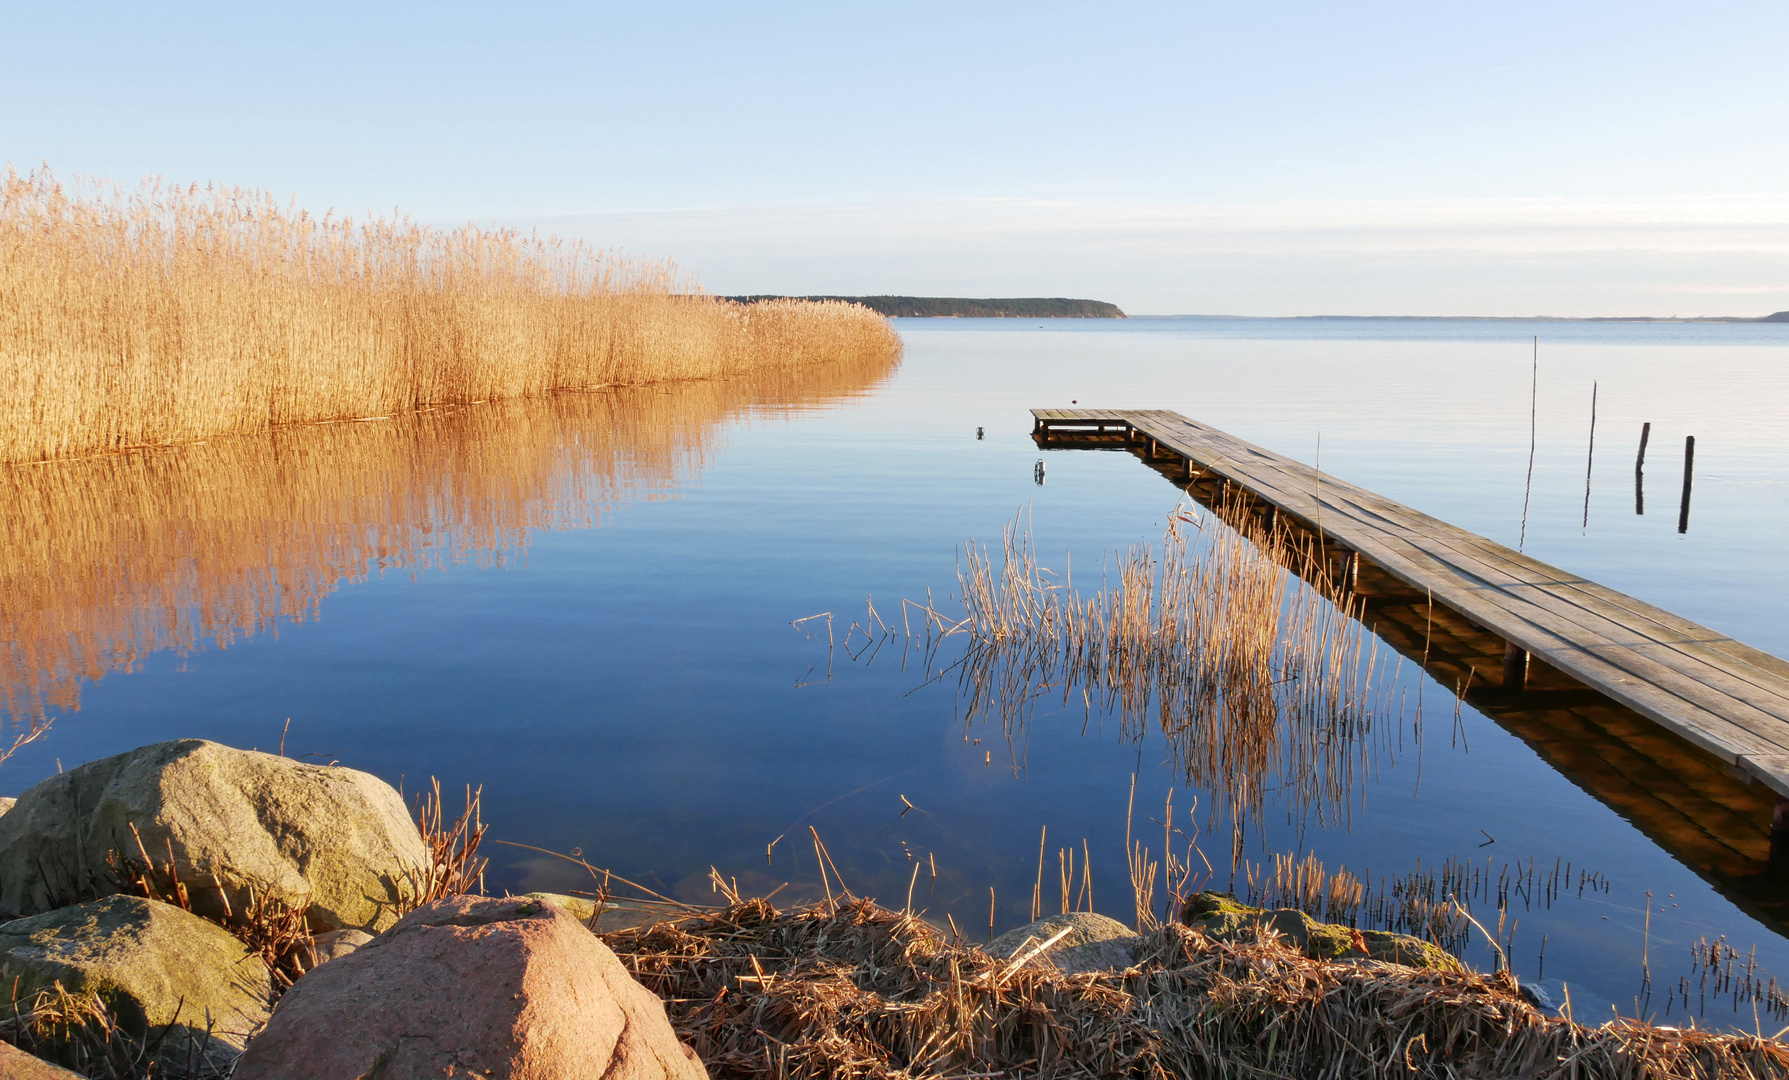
108, 559
1259, 680
172, 314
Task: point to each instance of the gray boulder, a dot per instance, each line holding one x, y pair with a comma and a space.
154, 966
338, 840
472, 986
1093, 943
334, 945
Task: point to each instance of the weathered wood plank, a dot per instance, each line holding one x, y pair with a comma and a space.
1720, 694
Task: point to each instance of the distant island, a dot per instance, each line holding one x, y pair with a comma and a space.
953, 307
1779, 317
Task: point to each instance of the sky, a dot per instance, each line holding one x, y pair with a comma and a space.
1255, 159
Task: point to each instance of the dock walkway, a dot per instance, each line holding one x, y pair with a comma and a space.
1727, 698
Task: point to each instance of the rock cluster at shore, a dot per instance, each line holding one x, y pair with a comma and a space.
234, 843
155, 900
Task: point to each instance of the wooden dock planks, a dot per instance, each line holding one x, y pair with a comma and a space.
1726, 697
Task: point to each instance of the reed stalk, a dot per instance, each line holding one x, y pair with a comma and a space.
1258, 679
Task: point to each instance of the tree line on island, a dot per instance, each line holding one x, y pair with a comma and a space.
909, 307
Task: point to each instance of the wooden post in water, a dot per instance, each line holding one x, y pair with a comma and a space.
1590, 456
1515, 666
1640, 469
1689, 463
1779, 836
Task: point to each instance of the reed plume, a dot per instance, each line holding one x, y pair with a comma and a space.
172, 314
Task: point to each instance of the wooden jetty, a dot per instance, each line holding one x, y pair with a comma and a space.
1559, 631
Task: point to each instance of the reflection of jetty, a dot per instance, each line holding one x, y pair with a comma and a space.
1683, 730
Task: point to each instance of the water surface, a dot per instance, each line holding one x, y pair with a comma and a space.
584, 605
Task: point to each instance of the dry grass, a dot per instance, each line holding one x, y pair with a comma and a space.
80, 1032
455, 868
1258, 679
106, 560
170, 314
846, 989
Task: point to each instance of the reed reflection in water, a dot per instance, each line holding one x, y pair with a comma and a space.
1262, 683
106, 560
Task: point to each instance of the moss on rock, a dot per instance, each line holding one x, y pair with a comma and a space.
1220, 915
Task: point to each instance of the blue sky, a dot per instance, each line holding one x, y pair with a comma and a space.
1563, 158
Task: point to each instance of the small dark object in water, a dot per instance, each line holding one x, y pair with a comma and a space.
978, 434
1689, 463
1037, 472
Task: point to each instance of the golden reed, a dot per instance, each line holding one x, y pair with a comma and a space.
170, 314
109, 558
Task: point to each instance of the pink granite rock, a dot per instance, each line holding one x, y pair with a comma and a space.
472, 987
15, 1064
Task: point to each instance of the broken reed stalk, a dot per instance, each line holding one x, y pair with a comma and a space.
271, 929
851, 989
454, 866
169, 314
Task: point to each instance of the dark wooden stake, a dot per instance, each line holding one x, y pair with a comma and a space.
1779, 836
1590, 456
1515, 666
1640, 469
1689, 467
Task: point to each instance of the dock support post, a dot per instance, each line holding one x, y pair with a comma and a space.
1515, 666
1779, 836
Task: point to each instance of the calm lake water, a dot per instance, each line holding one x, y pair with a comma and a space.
585, 606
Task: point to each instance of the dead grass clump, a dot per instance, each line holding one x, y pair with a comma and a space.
172, 314
454, 866
271, 929
850, 989
80, 1032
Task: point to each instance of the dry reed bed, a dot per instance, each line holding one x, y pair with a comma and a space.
105, 560
1258, 679
847, 989
173, 314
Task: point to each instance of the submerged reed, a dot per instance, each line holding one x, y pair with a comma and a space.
173, 314
1257, 678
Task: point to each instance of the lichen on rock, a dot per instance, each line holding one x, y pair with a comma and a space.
1221, 916
336, 841
152, 965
